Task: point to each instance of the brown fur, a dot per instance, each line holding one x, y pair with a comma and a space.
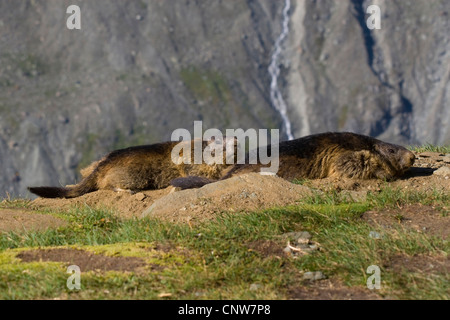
137, 168
337, 155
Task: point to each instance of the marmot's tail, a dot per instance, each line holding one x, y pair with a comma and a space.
89, 184
190, 182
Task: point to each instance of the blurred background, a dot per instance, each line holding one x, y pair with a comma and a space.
139, 69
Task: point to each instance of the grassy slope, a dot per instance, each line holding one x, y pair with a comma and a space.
214, 260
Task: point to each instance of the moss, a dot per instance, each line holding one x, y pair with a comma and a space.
207, 85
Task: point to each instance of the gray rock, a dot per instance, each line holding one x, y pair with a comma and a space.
375, 235
255, 286
442, 171
313, 275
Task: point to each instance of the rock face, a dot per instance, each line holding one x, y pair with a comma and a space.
137, 70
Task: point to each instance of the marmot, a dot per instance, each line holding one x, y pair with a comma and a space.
338, 154
313, 157
144, 168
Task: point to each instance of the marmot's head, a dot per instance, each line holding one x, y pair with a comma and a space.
366, 158
396, 159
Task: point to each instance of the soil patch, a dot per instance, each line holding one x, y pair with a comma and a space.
331, 290
421, 218
266, 248
125, 204
23, 221
418, 263
87, 261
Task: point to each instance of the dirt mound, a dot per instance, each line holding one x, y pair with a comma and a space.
246, 192
85, 260
21, 220
125, 204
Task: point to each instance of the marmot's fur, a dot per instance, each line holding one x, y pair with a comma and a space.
142, 168
324, 155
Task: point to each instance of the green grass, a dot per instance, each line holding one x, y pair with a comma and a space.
213, 260
430, 148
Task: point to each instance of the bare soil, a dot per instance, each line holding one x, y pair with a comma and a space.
420, 218
419, 263
22, 220
87, 261
330, 290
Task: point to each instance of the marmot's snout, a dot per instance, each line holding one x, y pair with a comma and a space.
409, 159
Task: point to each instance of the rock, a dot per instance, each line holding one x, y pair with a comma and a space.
140, 196
313, 275
287, 250
446, 159
298, 235
442, 171
303, 237
255, 286
374, 235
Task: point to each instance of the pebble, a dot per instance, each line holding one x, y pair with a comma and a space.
374, 235
255, 287
300, 236
313, 275
140, 196
287, 250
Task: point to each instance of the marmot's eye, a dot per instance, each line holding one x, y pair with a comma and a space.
391, 150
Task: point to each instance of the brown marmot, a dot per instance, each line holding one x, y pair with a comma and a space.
313, 157
144, 168
339, 154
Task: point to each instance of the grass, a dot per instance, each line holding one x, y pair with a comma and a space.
214, 260
430, 148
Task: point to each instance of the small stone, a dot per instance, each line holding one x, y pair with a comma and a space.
140, 196
442, 171
299, 236
255, 287
287, 250
313, 275
303, 236
446, 159
374, 235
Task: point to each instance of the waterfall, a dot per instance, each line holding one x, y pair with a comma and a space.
274, 71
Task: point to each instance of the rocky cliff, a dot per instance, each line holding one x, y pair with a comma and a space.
137, 70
